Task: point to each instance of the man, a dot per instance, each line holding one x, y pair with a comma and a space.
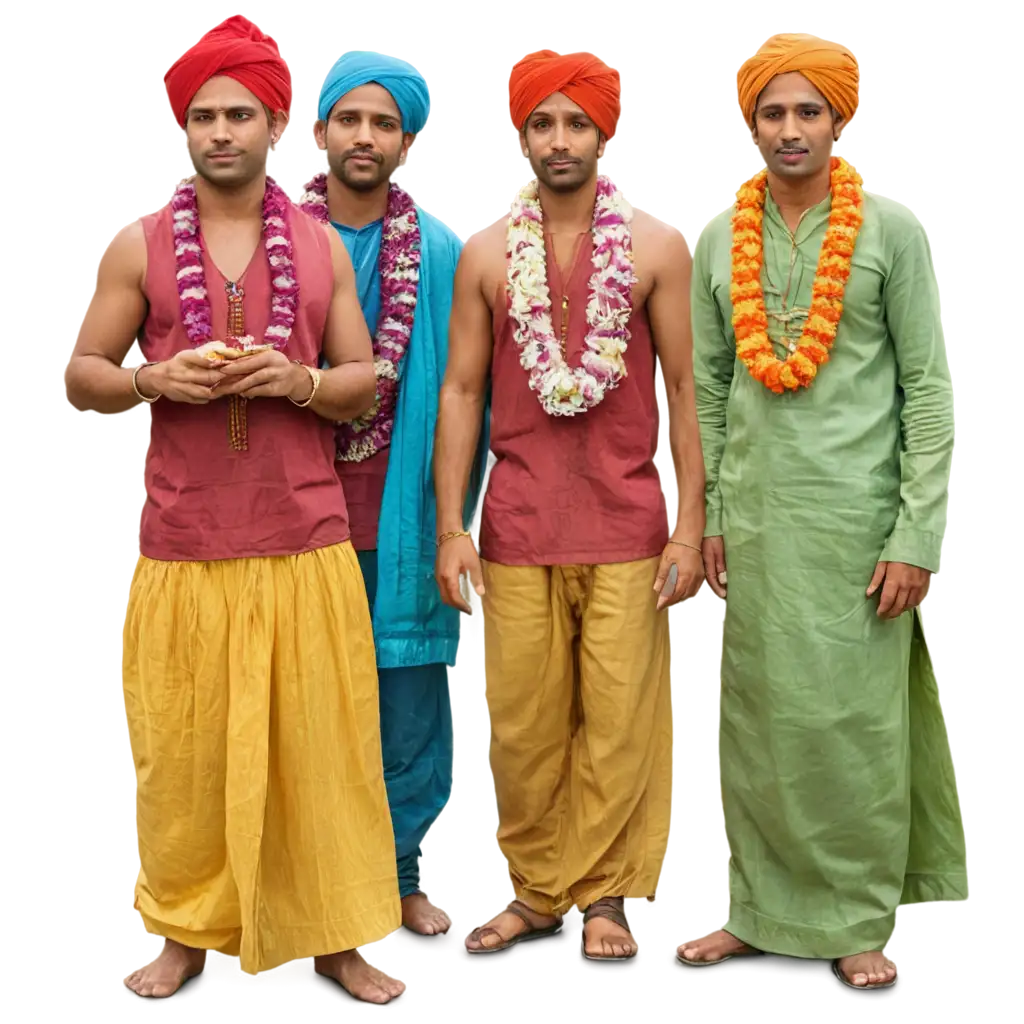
827, 424
371, 109
248, 658
578, 562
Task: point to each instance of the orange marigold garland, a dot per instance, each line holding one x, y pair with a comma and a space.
749, 319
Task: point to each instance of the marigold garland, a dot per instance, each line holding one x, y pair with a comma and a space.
749, 318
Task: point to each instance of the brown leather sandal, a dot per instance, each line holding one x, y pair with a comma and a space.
522, 911
610, 908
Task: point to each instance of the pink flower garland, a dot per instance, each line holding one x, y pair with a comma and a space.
399, 285
188, 257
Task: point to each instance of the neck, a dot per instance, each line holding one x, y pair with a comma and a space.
355, 209
239, 202
795, 196
569, 212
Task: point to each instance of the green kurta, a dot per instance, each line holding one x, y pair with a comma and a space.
838, 788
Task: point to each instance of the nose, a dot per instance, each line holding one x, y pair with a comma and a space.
560, 139
222, 129
364, 136
792, 128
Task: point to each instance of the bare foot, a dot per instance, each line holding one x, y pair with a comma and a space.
865, 969
421, 916
507, 925
357, 977
168, 972
604, 938
713, 948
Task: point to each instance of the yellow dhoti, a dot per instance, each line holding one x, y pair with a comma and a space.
251, 692
581, 729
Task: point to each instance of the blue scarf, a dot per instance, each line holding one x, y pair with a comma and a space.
410, 624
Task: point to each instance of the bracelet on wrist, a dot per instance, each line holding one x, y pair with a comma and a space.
451, 535
314, 376
135, 384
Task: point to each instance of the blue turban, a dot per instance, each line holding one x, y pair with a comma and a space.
403, 81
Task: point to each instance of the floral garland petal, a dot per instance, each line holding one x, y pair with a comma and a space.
563, 390
193, 297
749, 317
399, 263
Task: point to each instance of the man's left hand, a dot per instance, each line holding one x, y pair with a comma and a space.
689, 573
903, 587
268, 374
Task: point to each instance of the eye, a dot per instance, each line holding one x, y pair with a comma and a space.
540, 125
241, 115
579, 125
386, 124
810, 113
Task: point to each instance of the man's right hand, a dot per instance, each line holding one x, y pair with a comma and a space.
713, 551
188, 377
456, 557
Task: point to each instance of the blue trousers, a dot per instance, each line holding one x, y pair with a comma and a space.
416, 741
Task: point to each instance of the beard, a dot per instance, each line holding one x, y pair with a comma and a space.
362, 178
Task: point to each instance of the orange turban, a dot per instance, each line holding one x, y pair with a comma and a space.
829, 67
584, 78
238, 49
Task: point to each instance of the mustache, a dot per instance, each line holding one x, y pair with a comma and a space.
560, 159
375, 157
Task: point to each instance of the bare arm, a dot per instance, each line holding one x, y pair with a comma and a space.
464, 391
96, 380
669, 311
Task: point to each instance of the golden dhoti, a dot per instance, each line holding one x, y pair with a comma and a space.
581, 729
251, 692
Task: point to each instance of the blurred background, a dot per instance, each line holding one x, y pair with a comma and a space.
939, 124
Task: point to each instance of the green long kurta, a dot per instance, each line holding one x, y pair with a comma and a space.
838, 788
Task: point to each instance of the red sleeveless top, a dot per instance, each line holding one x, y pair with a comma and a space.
204, 500
577, 489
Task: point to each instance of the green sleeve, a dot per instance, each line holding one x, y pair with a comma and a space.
912, 317
714, 359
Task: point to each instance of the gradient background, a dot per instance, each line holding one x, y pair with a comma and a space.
86, 145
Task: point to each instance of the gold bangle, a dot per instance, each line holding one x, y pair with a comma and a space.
451, 535
314, 376
135, 384
683, 544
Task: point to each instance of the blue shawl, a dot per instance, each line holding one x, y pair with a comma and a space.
410, 624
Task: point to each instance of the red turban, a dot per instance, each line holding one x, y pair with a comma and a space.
238, 49
580, 76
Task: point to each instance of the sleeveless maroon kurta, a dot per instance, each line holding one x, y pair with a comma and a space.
204, 500
577, 489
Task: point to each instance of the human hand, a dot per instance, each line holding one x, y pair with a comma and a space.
713, 553
186, 377
689, 573
903, 587
456, 557
266, 374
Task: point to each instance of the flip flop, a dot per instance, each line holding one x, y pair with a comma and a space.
521, 911
609, 908
838, 972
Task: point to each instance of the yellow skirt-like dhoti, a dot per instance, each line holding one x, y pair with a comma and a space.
251, 692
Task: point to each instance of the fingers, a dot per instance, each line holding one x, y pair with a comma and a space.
877, 578
475, 573
191, 394
659, 581
250, 364
451, 594
712, 572
890, 595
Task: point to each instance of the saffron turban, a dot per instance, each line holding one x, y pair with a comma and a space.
582, 77
238, 49
360, 67
829, 67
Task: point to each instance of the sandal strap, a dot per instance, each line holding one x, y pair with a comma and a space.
610, 908
522, 911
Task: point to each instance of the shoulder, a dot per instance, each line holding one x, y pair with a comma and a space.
436, 230
717, 231
128, 248
895, 225
655, 241
487, 247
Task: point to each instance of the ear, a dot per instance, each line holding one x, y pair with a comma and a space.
524, 145
277, 126
320, 134
753, 131
838, 124
601, 143
407, 140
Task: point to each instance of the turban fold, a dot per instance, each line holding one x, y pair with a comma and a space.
582, 77
359, 67
829, 67
238, 49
